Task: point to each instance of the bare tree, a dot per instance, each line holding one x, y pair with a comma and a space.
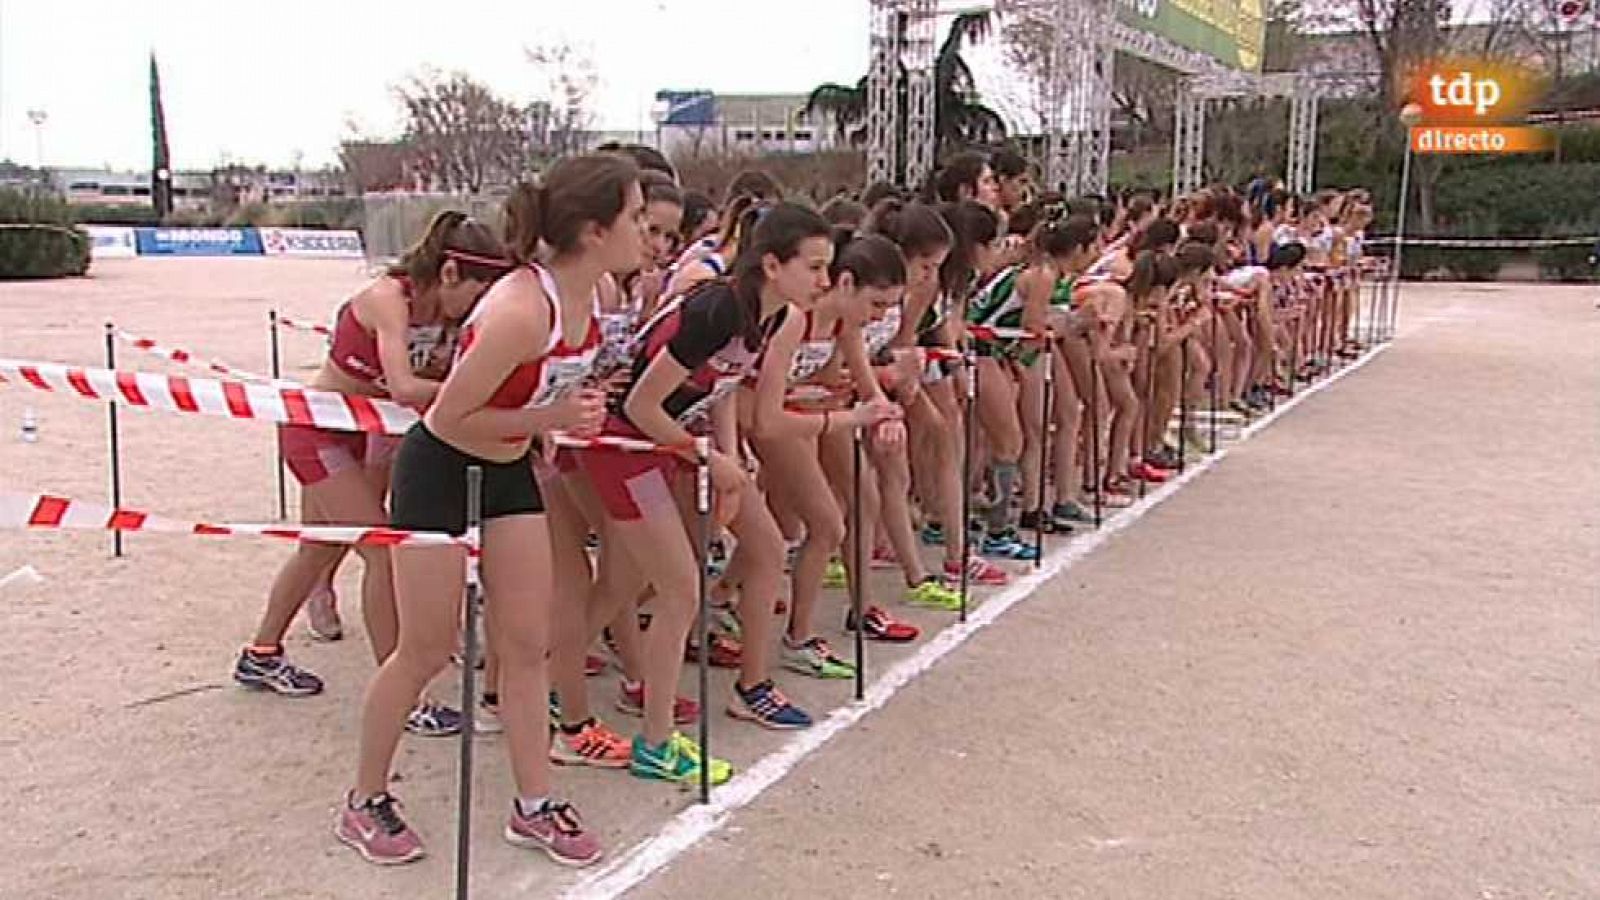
570, 82
465, 137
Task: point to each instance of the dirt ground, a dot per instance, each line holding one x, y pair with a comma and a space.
1354, 660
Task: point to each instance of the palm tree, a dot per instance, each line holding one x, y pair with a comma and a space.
959, 119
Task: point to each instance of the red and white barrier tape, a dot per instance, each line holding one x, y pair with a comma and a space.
179, 355
45, 511
990, 333
216, 397
302, 325
328, 410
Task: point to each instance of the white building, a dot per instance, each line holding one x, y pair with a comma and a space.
692, 122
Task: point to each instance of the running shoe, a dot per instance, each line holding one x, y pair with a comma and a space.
1165, 458
835, 576
1005, 545
1032, 520
933, 534
429, 719
630, 699
375, 830
677, 759
883, 558
271, 672
1116, 496
322, 614
1149, 474
726, 620
815, 658
487, 719
766, 706
1071, 513
980, 572
594, 744
930, 593
593, 665
880, 626
726, 652
556, 829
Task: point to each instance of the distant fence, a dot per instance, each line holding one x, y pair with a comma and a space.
394, 221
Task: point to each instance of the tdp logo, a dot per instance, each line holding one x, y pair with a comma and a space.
1465, 90
1471, 91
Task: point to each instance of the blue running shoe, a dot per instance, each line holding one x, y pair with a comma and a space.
767, 707
1006, 546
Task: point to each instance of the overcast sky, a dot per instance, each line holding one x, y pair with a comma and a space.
285, 77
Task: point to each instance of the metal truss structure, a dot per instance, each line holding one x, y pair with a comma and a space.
1077, 93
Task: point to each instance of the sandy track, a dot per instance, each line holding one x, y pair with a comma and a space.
136, 770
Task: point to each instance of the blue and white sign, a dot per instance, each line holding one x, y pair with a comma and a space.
197, 241
309, 242
111, 241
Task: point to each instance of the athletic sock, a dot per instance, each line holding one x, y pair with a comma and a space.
1006, 475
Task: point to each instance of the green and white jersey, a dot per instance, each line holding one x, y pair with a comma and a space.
998, 304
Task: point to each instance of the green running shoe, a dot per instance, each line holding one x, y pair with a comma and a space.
677, 759
814, 658
933, 595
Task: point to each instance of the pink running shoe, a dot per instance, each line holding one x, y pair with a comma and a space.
375, 830
883, 558
555, 829
980, 572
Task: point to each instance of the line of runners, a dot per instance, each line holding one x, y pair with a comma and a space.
615, 302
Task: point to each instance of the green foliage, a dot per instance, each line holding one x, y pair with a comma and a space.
37, 237
33, 206
1568, 262
114, 214
42, 251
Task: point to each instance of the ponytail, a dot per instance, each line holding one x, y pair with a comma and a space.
451, 236
524, 214
577, 190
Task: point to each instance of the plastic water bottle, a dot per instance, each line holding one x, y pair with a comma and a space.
30, 427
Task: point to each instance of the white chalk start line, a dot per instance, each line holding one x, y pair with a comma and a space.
695, 823
24, 575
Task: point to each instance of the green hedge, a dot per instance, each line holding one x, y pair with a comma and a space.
37, 237
42, 251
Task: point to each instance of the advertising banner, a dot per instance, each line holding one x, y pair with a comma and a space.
111, 241
197, 241
1233, 31
311, 242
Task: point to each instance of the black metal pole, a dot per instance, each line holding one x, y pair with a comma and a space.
277, 373
1216, 369
1149, 400
1094, 435
1044, 446
115, 441
971, 364
858, 565
702, 505
469, 685
1183, 405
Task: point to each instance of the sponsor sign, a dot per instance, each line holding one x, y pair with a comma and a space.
197, 241
111, 241
311, 242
